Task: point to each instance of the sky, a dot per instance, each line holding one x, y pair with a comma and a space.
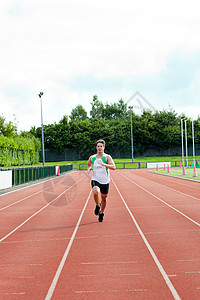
72, 50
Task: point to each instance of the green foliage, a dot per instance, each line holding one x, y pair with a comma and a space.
97, 108
78, 113
19, 151
115, 111
112, 122
7, 129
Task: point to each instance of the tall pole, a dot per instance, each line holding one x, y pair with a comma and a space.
43, 155
186, 150
131, 107
182, 142
193, 142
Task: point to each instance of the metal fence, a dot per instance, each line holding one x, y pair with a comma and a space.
137, 165
24, 175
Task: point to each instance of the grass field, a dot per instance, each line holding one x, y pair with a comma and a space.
122, 160
119, 160
179, 173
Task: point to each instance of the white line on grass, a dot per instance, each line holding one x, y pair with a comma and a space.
59, 270
162, 271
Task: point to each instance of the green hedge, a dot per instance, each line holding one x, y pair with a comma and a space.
18, 151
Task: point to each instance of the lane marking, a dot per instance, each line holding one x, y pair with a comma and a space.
59, 270
99, 275
157, 262
110, 291
26, 277
103, 236
8, 265
129, 274
37, 183
109, 263
167, 188
188, 259
178, 181
193, 272
162, 201
14, 293
25, 198
89, 275
37, 212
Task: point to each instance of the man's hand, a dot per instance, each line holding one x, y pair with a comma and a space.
101, 163
88, 169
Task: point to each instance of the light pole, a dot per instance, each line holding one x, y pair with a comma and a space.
131, 107
186, 149
43, 156
193, 142
182, 141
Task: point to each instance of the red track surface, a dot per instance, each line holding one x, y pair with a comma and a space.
148, 247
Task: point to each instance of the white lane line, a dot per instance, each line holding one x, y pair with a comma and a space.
177, 182
129, 274
26, 277
8, 265
188, 259
109, 263
37, 183
163, 201
110, 291
99, 275
193, 272
89, 275
25, 198
22, 199
59, 270
14, 293
162, 271
168, 188
37, 212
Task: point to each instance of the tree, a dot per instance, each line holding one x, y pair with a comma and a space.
97, 108
7, 129
115, 111
78, 113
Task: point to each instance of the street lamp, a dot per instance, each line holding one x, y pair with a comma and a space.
182, 141
186, 149
131, 107
43, 157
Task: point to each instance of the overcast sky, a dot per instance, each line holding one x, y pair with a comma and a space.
74, 49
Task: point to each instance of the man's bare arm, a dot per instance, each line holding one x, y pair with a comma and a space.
89, 165
110, 164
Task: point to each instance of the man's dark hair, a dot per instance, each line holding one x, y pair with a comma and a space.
102, 142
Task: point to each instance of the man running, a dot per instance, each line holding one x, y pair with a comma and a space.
101, 164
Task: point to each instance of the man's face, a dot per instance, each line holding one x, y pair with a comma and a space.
100, 147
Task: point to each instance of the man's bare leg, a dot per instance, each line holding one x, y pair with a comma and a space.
97, 195
103, 202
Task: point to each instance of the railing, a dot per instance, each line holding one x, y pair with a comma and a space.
24, 175
137, 165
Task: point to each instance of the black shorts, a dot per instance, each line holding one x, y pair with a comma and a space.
104, 188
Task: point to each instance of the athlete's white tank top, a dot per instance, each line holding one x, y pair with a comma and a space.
100, 173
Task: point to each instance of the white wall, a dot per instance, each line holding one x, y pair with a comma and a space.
160, 164
5, 179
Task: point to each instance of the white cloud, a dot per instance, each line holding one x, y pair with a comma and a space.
47, 43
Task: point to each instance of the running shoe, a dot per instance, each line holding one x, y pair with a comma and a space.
96, 211
101, 215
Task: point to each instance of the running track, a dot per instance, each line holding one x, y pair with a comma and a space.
148, 247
